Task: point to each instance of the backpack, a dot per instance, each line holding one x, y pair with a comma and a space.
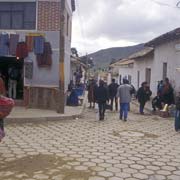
14, 74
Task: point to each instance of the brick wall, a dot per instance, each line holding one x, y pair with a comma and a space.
48, 15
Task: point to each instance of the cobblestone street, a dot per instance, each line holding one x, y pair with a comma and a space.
144, 147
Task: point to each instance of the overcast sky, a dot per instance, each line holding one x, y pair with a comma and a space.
100, 24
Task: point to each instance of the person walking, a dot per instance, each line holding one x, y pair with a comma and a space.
124, 95
101, 96
91, 90
14, 75
143, 95
2, 93
112, 90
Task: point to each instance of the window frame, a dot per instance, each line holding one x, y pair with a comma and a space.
11, 11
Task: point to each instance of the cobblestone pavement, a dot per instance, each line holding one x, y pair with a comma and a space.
144, 147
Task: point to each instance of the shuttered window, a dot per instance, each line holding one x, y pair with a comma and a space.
19, 15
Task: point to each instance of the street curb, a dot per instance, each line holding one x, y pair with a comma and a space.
18, 120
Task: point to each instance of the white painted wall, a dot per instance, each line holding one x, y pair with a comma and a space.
166, 53
124, 71
141, 65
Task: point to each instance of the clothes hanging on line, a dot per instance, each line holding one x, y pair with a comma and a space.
39, 44
14, 39
4, 44
45, 59
21, 50
30, 43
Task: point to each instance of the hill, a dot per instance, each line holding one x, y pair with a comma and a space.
103, 58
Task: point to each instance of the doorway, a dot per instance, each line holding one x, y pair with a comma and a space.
164, 71
148, 75
7, 63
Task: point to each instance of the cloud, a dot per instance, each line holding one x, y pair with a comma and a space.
106, 23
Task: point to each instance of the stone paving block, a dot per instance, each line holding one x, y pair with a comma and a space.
136, 166
105, 173
96, 178
173, 177
140, 176
123, 175
113, 169
99, 150
176, 173
115, 178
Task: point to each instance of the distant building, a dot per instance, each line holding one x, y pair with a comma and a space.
41, 29
159, 59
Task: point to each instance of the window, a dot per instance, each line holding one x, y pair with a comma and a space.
19, 15
148, 75
138, 79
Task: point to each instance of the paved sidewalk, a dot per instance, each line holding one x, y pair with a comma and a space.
143, 148
22, 114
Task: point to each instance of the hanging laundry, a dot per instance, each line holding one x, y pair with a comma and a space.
45, 59
39, 44
4, 44
21, 50
30, 43
47, 48
14, 39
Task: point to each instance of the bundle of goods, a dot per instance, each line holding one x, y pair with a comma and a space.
6, 105
164, 112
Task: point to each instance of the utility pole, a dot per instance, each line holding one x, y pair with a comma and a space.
61, 92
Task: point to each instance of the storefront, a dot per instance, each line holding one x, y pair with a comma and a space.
36, 41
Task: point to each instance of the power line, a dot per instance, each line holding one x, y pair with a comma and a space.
178, 4
160, 3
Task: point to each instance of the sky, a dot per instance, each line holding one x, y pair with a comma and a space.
101, 24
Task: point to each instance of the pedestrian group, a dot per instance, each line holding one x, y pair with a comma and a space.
106, 96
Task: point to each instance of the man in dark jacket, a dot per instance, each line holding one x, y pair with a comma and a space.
101, 96
112, 89
143, 95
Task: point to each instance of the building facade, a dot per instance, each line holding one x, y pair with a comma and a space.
44, 26
159, 59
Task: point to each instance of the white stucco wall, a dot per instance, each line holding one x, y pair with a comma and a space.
124, 71
167, 53
141, 65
